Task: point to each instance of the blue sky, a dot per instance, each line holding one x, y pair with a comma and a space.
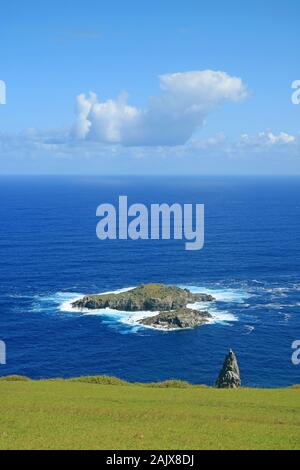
201, 121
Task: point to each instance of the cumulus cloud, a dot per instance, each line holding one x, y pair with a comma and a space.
268, 138
57, 144
170, 118
53, 152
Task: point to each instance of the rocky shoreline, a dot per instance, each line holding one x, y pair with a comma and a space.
169, 301
181, 318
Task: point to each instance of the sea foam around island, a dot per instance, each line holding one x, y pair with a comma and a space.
218, 309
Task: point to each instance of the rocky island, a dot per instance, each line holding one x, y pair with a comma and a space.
169, 301
180, 318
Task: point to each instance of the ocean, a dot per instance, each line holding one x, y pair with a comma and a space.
50, 255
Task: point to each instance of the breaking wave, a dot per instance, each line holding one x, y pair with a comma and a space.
219, 310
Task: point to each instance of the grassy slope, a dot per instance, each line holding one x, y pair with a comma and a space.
74, 415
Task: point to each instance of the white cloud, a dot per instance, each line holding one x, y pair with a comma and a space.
56, 143
170, 118
54, 152
268, 138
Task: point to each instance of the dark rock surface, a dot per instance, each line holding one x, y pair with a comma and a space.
180, 318
151, 297
229, 376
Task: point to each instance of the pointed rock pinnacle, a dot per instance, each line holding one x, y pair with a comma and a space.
229, 376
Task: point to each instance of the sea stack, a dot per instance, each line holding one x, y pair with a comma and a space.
229, 376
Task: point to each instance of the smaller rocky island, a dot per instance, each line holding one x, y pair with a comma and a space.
169, 301
180, 318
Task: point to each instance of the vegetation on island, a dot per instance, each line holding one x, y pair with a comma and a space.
169, 302
151, 297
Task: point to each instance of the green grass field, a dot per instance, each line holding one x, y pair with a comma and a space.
77, 415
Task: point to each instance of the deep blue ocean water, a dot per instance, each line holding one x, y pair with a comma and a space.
49, 254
